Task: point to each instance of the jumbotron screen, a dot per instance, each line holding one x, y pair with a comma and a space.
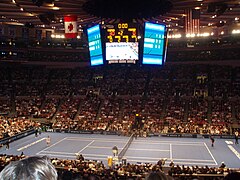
121, 43
154, 44
95, 45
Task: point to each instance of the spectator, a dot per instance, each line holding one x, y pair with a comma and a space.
156, 176
32, 168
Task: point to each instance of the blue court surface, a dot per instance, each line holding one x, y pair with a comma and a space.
187, 151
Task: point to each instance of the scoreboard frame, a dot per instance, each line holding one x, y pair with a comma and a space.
126, 34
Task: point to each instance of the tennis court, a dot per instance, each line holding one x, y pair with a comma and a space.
187, 151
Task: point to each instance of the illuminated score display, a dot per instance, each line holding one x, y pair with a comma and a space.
154, 44
122, 32
121, 43
95, 45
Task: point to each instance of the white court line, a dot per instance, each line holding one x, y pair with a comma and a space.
63, 153
95, 140
51, 145
229, 142
31, 144
58, 155
102, 147
55, 152
170, 151
25, 142
211, 154
95, 155
189, 144
142, 157
177, 143
157, 150
200, 160
144, 141
131, 149
85, 147
234, 151
79, 138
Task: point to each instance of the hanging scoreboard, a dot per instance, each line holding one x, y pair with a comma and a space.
122, 43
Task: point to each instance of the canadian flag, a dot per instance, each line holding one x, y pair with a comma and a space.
70, 24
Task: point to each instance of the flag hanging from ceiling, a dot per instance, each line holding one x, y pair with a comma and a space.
70, 24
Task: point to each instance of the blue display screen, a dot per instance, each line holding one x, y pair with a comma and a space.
95, 45
154, 44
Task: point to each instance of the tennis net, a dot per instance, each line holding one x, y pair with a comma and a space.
125, 148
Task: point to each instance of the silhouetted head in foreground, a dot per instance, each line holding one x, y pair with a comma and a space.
232, 176
156, 176
32, 168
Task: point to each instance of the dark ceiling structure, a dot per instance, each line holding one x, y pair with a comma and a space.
171, 12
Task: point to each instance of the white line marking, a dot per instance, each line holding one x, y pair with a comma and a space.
58, 155
55, 152
25, 142
102, 147
157, 150
31, 144
139, 141
97, 155
79, 138
188, 144
130, 149
95, 140
197, 160
133, 157
229, 142
200, 160
234, 151
52, 145
211, 154
170, 151
85, 147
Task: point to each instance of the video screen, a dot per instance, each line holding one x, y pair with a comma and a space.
121, 52
95, 45
154, 44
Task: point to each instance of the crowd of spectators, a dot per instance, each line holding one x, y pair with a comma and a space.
171, 99
87, 169
12, 126
110, 99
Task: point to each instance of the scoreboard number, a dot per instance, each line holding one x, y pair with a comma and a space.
122, 25
122, 32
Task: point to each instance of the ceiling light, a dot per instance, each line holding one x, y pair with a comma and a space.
55, 8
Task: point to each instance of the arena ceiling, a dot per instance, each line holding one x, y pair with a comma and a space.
31, 11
